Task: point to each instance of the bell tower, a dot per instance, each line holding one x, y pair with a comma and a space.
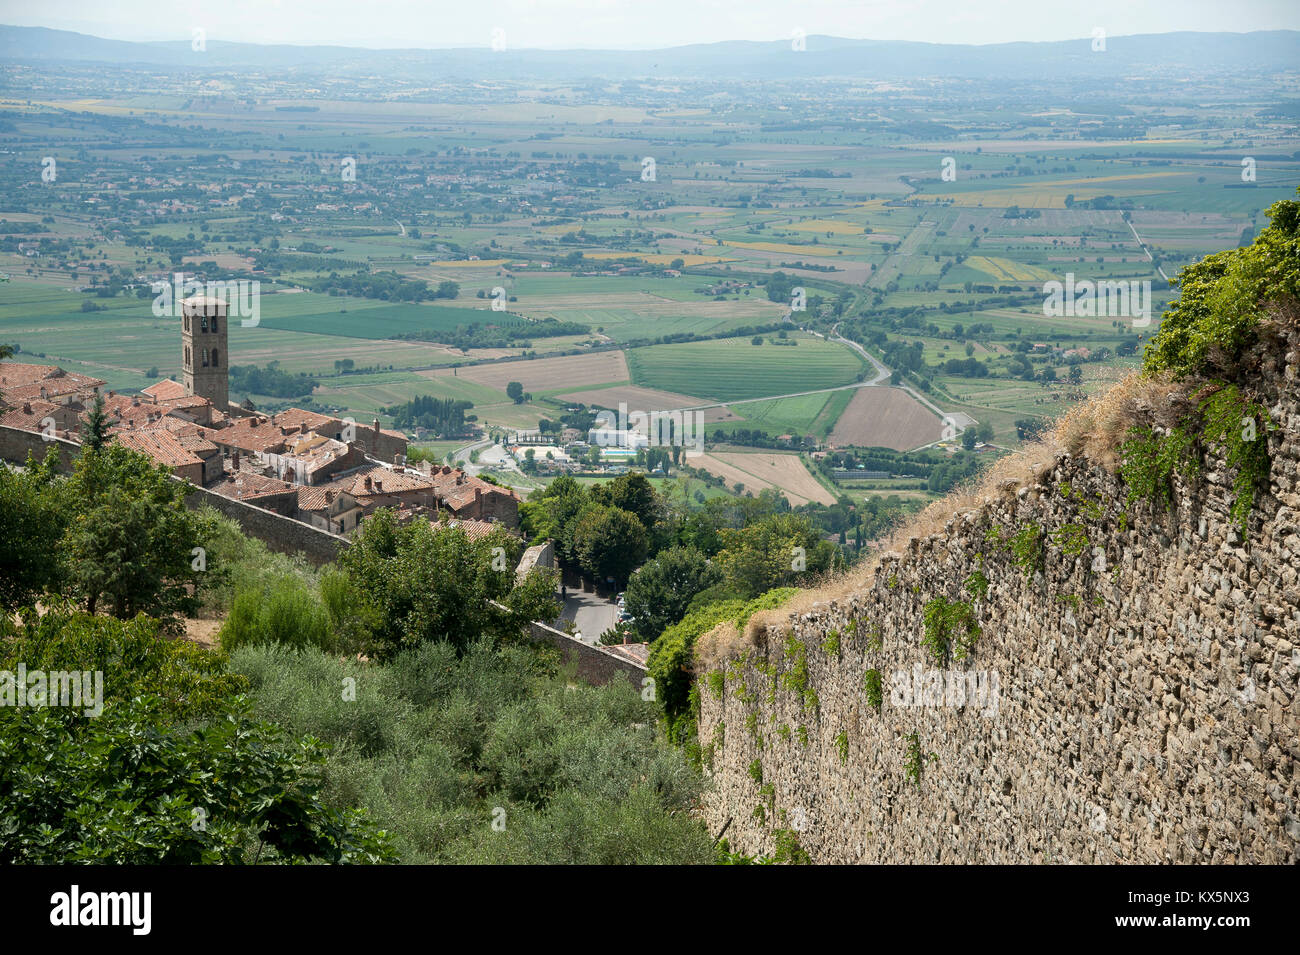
203, 350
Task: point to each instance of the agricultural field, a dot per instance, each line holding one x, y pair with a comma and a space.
544, 375
733, 368
757, 471
542, 198
886, 418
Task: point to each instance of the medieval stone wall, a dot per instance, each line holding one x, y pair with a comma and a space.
1131, 695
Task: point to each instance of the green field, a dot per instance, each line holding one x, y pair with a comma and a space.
353, 318
814, 414
731, 368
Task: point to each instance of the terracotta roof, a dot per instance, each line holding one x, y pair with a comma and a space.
165, 389
249, 434
53, 387
244, 485
28, 415
16, 373
163, 446
638, 653
294, 418
474, 529
184, 401
318, 498
395, 482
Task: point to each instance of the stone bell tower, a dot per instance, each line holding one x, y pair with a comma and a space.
203, 350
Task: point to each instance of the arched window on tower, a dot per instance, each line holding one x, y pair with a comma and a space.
216, 362
188, 359
203, 323
205, 358
214, 327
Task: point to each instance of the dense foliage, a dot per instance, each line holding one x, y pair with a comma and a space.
114, 534
447, 740
271, 380
445, 417
488, 756
1223, 298
174, 767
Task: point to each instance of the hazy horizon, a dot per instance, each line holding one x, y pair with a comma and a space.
608, 24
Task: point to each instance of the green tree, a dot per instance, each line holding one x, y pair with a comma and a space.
94, 426
549, 513
632, 492
130, 789
173, 742
419, 582
774, 552
609, 542
32, 521
1224, 296
515, 391
130, 540
659, 593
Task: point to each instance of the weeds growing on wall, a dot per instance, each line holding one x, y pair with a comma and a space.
1027, 549
873, 686
951, 629
1225, 419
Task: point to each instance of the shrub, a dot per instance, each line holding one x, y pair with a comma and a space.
284, 612
437, 743
1223, 298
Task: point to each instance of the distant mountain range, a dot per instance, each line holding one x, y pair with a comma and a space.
824, 56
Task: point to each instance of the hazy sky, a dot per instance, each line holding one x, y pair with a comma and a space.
642, 24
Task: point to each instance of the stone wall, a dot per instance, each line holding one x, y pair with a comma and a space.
279, 533
16, 443
596, 665
1131, 696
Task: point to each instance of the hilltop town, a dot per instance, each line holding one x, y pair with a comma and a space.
321, 470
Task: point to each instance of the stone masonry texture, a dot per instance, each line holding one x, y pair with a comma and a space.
1145, 709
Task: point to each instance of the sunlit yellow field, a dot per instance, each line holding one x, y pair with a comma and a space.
1007, 270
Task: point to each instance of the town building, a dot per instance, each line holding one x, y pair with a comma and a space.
318, 469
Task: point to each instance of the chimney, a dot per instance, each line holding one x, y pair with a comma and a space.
379, 486
135, 401
234, 459
329, 497
302, 428
397, 460
27, 407
368, 482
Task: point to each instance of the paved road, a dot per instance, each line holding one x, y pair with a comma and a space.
461, 456
591, 615
882, 373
